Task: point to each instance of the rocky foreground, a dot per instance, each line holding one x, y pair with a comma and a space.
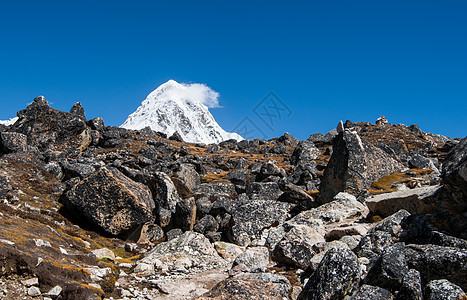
367, 211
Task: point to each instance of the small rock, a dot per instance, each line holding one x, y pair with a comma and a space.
54, 292
34, 291
104, 253
30, 282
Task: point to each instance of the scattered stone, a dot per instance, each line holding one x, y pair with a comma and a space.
228, 251
263, 191
54, 292
34, 291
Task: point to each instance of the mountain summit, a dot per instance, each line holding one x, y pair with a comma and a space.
183, 108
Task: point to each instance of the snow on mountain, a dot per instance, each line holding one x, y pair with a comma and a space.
183, 108
9, 122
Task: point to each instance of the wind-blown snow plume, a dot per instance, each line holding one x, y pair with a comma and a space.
182, 108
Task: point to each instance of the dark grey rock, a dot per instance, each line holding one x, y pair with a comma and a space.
54, 168
294, 194
111, 201
71, 170
411, 287
368, 292
389, 268
47, 128
250, 286
337, 275
96, 124
263, 191
288, 139
216, 188
206, 224
187, 173
296, 247
417, 229
12, 141
165, 197
239, 177
78, 110
442, 290
176, 137
203, 206
391, 224
305, 152
353, 166
437, 262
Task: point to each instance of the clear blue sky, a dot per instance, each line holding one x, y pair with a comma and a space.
326, 60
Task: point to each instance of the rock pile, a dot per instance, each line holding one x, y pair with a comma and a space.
367, 211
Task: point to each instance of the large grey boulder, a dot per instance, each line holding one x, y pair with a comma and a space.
296, 247
254, 259
389, 268
111, 201
250, 219
416, 201
166, 198
187, 173
353, 166
343, 207
336, 276
190, 250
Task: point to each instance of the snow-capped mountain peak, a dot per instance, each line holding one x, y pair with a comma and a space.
183, 108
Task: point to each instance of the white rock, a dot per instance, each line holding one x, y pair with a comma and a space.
42, 243
34, 291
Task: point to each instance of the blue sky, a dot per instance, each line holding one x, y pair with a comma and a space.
325, 60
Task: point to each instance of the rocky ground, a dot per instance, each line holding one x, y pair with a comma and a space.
367, 211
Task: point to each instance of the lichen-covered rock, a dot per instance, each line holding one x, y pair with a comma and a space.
254, 259
296, 247
353, 166
206, 224
336, 276
411, 287
111, 201
305, 152
443, 289
11, 141
215, 188
190, 250
437, 262
250, 286
389, 268
368, 292
47, 128
165, 197
263, 191
249, 220
187, 173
